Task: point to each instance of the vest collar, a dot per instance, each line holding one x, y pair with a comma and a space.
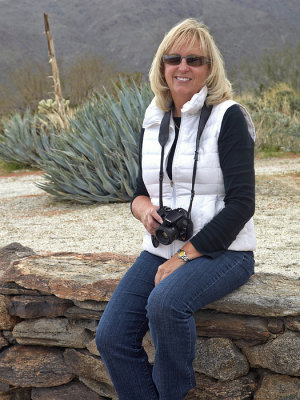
154, 115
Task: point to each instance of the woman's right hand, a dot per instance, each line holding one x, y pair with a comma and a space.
146, 212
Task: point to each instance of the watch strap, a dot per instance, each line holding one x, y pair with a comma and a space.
182, 254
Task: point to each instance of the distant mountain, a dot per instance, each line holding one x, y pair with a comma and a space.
129, 31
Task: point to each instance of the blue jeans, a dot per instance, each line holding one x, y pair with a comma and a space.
167, 309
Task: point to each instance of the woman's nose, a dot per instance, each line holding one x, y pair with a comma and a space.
183, 66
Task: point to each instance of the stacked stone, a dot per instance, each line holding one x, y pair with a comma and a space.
248, 344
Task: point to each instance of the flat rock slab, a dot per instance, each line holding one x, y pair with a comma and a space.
214, 324
38, 306
264, 294
55, 332
33, 366
93, 277
70, 275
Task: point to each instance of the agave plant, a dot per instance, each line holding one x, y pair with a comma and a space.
24, 140
96, 159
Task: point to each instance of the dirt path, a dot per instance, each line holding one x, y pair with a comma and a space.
31, 217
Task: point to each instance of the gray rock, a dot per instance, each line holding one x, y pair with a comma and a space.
275, 325
104, 389
70, 276
219, 358
279, 387
92, 348
6, 320
280, 355
33, 366
209, 389
54, 332
38, 306
82, 313
73, 390
3, 342
91, 305
213, 324
293, 323
265, 295
83, 363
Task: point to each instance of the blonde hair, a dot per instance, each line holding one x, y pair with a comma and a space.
188, 32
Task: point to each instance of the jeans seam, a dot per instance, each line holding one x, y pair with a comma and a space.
145, 368
218, 278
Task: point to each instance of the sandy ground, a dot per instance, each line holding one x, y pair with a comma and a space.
31, 217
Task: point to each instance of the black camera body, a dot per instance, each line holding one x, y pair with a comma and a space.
176, 225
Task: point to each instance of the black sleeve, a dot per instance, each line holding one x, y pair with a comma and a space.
236, 153
140, 188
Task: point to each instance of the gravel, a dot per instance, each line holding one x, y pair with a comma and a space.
31, 217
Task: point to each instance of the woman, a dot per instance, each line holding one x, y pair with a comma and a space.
168, 283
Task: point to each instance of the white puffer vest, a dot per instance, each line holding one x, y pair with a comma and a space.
209, 185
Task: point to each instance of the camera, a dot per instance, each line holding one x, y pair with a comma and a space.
176, 225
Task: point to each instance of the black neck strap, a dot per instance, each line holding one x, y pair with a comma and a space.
163, 138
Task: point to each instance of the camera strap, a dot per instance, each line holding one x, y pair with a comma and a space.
163, 138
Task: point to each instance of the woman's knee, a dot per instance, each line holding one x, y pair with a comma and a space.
163, 307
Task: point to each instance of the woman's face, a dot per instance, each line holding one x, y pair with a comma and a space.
184, 80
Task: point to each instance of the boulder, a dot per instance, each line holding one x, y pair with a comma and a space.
33, 366
279, 387
219, 358
280, 355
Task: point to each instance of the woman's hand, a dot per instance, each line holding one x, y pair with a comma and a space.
146, 212
175, 262
167, 268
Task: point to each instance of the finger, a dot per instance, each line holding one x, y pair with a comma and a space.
156, 216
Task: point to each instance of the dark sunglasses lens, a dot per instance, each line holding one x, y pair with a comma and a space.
195, 61
172, 60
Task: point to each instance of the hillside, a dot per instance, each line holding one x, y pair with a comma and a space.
128, 31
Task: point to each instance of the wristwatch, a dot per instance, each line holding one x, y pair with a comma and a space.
182, 254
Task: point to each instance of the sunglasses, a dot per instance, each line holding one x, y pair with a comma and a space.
193, 61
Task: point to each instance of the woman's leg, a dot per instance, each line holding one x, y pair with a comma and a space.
170, 311
122, 328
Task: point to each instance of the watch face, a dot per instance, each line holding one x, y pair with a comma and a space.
181, 253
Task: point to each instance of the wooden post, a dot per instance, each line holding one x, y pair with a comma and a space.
55, 72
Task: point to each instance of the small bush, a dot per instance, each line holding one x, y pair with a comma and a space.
276, 116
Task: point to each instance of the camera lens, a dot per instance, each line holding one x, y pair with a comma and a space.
165, 235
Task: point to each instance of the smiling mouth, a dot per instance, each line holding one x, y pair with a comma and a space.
182, 79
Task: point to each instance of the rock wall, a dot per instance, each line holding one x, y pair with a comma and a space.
248, 344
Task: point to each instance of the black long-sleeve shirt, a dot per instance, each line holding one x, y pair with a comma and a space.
236, 154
